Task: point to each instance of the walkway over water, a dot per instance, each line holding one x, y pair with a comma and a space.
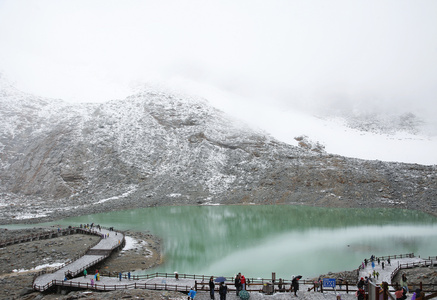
93, 256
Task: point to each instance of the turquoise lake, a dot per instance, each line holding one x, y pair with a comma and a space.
259, 240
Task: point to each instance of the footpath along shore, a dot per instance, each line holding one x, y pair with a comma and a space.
110, 241
113, 283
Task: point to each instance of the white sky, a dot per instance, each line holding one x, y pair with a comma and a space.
311, 55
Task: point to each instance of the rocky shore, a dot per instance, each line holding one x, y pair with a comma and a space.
18, 262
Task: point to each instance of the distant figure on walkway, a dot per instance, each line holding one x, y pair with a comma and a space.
280, 285
119, 276
92, 282
128, 275
243, 281
404, 282
295, 285
84, 273
382, 265
223, 290
373, 264
360, 283
388, 261
237, 283
211, 287
191, 294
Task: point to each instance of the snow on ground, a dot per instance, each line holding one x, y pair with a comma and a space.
132, 243
54, 265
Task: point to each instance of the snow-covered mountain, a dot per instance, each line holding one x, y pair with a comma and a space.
161, 148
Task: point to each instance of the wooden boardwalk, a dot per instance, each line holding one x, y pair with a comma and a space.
94, 255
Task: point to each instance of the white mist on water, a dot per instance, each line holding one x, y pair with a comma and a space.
317, 251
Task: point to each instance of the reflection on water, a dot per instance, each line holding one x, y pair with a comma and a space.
259, 240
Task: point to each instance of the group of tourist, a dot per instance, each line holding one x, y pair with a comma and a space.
239, 282
374, 259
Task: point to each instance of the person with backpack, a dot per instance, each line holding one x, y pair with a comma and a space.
223, 290
360, 294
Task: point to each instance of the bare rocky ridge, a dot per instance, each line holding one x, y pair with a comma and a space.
156, 148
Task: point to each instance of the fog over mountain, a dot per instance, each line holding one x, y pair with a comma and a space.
346, 74
157, 147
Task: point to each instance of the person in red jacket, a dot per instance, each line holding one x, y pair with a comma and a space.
243, 281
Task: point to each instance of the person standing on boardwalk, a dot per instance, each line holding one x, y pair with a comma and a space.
404, 282
128, 275
237, 283
211, 287
295, 285
243, 282
360, 294
119, 276
223, 290
84, 273
191, 294
360, 284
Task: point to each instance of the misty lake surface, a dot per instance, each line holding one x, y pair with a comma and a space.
258, 240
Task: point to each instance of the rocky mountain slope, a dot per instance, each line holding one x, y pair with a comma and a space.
158, 148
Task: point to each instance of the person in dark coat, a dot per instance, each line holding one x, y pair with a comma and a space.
237, 284
211, 287
360, 294
361, 283
223, 290
295, 285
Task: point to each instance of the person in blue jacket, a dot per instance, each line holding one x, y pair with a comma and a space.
191, 294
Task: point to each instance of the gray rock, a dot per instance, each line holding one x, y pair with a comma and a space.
176, 151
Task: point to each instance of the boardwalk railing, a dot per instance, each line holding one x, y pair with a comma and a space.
424, 263
40, 236
53, 270
133, 285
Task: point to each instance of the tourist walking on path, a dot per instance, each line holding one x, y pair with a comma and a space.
84, 273
211, 287
223, 290
119, 276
